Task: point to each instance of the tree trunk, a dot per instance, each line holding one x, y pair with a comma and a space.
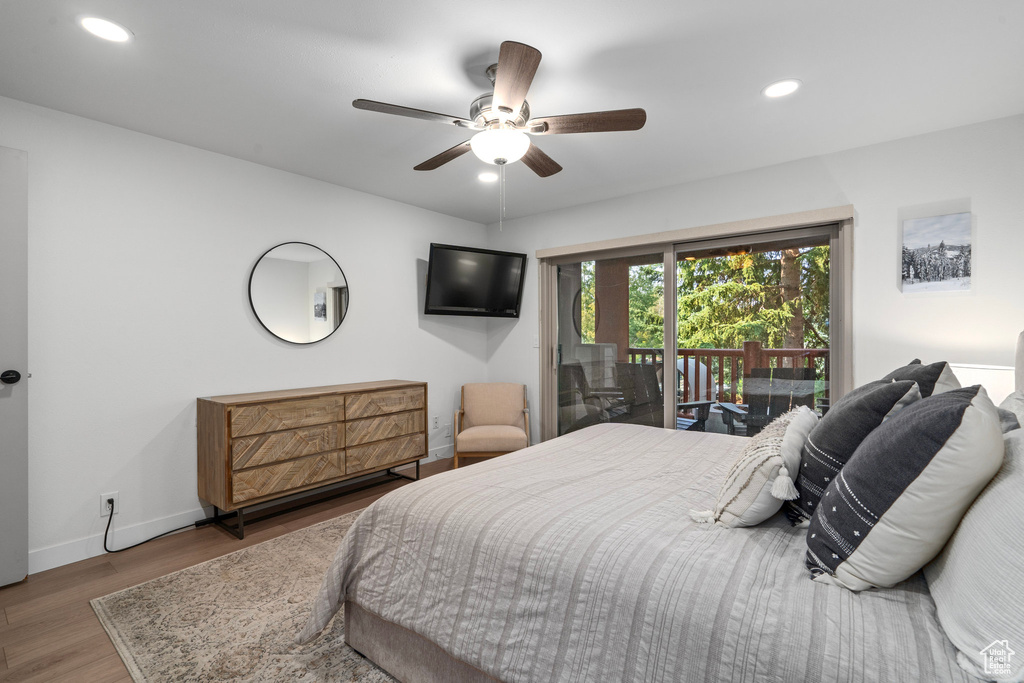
794, 334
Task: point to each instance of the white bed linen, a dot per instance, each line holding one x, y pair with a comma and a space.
576, 560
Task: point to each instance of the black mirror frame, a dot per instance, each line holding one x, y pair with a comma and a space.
252, 306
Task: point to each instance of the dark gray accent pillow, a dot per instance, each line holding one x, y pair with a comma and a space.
933, 378
901, 495
837, 435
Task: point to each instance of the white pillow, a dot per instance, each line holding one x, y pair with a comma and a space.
793, 442
976, 580
1015, 404
746, 496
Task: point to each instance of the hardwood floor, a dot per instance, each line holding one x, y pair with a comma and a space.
48, 631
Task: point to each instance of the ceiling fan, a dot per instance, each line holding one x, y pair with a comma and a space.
502, 118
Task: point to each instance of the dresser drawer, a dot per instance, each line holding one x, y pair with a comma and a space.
276, 416
384, 427
374, 403
263, 449
281, 477
382, 453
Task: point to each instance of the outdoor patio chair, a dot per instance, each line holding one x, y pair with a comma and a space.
769, 392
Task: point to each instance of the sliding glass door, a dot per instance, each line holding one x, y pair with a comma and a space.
611, 341
754, 320
722, 332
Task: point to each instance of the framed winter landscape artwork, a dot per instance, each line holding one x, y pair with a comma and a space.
320, 305
937, 253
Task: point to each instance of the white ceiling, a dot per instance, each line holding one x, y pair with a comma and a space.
272, 81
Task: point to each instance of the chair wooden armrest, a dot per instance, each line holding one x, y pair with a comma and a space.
732, 412
732, 409
701, 412
456, 428
526, 417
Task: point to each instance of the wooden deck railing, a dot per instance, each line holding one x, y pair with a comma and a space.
724, 369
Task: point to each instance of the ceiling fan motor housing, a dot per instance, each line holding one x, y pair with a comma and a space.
482, 112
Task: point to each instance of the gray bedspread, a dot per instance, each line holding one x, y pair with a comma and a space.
576, 560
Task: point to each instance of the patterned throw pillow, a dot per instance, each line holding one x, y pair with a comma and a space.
745, 498
975, 580
837, 435
934, 378
901, 495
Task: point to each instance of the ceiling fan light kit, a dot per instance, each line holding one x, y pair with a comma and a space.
502, 117
500, 145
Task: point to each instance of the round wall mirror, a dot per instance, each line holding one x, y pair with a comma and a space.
298, 293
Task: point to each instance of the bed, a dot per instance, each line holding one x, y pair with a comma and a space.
577, 560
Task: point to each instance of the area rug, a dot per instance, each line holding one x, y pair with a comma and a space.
234, 618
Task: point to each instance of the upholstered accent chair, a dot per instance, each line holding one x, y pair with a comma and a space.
493, 420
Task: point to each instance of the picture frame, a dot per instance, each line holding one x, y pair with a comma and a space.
320, 305
936, 253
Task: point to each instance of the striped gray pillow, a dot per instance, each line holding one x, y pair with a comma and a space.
837, 435
899, 498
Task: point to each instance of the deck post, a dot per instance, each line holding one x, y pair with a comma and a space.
752, 357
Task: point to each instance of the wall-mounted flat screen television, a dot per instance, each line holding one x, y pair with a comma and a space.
471, 281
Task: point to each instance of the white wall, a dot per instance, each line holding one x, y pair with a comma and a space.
981, 166
139, 256
140, 251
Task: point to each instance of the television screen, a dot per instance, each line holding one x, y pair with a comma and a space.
470, 281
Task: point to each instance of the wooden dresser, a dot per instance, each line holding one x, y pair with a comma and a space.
258, 447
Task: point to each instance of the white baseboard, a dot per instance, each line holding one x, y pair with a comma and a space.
82, 549
73, 551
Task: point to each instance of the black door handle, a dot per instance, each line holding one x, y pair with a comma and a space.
10, 376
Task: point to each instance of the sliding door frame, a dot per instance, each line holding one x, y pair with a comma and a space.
839, 219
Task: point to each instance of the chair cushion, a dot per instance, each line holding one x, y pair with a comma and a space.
899, 498
976, 579
490, 439
495, 403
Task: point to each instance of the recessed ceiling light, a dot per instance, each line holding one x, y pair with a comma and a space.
487, 177
781, 88
107, 30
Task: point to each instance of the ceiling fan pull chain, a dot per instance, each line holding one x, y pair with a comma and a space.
501, 196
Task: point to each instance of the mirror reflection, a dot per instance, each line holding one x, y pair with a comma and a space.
298, 293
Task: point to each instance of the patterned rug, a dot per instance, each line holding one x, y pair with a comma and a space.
234, 618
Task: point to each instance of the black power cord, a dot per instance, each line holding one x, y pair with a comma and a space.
110, 504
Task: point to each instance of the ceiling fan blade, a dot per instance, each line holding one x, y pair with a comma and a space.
398, 110
540, 163
517, 64
593, 122
444, 157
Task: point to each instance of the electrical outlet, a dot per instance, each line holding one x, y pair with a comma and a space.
104, 510
448, 429
437, 422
